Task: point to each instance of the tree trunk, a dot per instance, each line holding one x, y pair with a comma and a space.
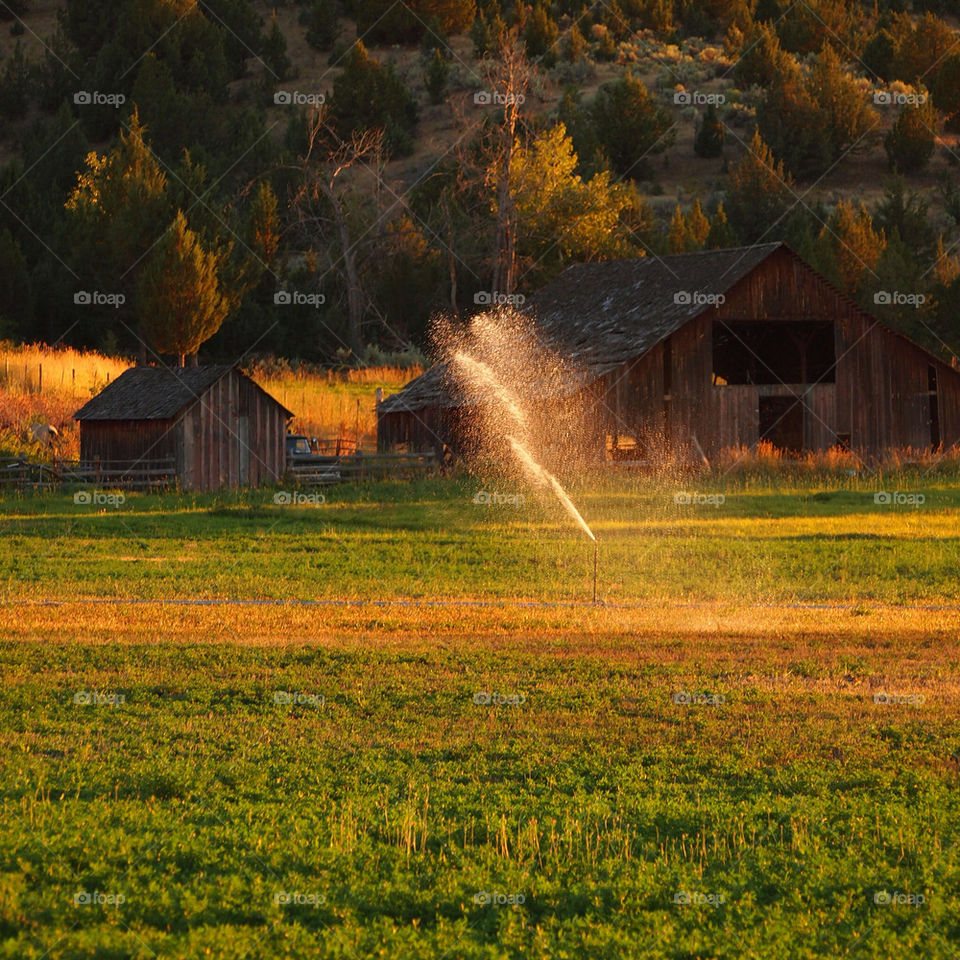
451, 259
354, 293
512, 80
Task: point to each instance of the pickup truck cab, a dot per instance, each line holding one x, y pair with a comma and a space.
298, 448
309, 466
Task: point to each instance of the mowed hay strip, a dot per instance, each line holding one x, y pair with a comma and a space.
915, 636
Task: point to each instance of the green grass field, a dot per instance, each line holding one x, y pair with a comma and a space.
752, 750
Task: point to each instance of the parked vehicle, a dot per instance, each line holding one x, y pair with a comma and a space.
309, 466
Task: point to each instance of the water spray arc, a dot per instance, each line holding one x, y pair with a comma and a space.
483, 380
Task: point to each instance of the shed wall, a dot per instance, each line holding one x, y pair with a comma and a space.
231, 436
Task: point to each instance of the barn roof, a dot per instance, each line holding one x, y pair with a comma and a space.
154, 393
600, 314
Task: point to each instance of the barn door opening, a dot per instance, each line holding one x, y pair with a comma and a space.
243, 460
934, 407
781, 423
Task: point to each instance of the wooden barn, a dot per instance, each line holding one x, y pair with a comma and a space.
716, 349
213, 426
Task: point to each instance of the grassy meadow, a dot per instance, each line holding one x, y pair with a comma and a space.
397, 726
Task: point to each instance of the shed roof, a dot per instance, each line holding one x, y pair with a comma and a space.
600, 314
155, 393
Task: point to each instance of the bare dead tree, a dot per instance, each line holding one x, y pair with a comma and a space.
321, 207
509, 79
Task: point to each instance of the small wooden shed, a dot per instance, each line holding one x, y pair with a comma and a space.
712, 350
213, 425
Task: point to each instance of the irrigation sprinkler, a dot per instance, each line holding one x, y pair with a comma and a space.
485, 381
596, 548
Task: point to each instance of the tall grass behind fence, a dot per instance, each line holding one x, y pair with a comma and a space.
56, 370
40, 384
330, 403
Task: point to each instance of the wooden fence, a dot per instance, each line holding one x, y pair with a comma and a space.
155, 474
124, 474
362, 466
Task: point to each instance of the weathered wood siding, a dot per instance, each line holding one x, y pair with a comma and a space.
266, 429
231, 436
431, 428
127, 440
880, 397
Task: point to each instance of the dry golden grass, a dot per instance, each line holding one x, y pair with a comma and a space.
765, 456
40, 384
63, 370
336, 404
913, 639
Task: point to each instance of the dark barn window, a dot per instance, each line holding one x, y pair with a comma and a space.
759, 352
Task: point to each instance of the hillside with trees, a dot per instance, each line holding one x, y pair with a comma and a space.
318, 179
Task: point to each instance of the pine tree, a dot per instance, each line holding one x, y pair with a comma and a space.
387, 22
688, 232
487, 32
540, 33
677, 235
179, 296
721, 233
806, 27
911, 140
710, 136
575, 46
849, 247
369, 96
323, 27
274, 52
906, 213
698, 226
113, 214
811, 118
947, 266
845, 115
452, 16
264, 224
437, 75
759, 193
630, 126
761, 57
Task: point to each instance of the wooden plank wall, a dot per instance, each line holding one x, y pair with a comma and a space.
127, 440
204, 440
267, 431
209, 452
880, 396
